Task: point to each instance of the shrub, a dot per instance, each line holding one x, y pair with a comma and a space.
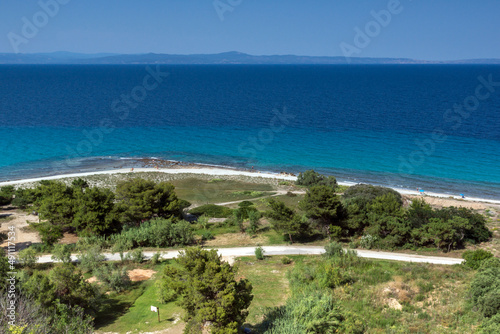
474, 259
6, 195
156, 258
245, 204
164, 287
91, 258
313, 312
27, 257
490, 326
286, 260
334, 249
367, 241
61, 253
259, 253
207, 235
112, 277
136, 255
156, 233
311, 178
485, 288
212, 210
254, 217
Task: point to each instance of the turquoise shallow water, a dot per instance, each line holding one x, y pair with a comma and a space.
361, 123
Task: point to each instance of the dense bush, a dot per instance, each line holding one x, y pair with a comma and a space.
156, 233
61, 253
377, 213
113, 277
485, 288
259, 253
312, 307
308, 313
334, 249
4, 266
136, 255
490, 326
208, 291
474, 259
212, 210
27, 257
311, 178
63, 284
6, 194
33, 318
90, 258
91, 211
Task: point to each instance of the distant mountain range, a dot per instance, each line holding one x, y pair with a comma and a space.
219, 58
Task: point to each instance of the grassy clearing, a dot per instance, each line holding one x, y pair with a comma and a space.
270, 285
290, 201
130, 312
390, 297
199, 191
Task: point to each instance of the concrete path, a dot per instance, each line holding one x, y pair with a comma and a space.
293, 250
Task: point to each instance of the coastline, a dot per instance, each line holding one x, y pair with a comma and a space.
228, 171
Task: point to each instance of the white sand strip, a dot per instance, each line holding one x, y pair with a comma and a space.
227, 172
201, 170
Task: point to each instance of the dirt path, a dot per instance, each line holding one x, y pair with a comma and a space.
18, 219
278, 193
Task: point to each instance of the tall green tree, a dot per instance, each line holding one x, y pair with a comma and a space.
311, 178
323, 206
95, 212
208, 291
285, 220
140, 200
55, 203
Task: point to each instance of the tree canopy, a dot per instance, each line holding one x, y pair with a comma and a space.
140, 200
208, 291
311, 178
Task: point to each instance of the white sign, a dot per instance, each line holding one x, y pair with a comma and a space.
154, 309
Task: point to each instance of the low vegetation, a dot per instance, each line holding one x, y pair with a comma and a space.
335, 293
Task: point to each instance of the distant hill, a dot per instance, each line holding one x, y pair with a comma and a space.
219, 58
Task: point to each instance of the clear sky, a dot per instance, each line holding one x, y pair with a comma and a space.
419, 29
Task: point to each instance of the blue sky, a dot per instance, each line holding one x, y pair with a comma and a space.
421, 29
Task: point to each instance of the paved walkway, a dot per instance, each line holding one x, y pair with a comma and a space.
293, 250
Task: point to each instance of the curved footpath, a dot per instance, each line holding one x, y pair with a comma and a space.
292, 250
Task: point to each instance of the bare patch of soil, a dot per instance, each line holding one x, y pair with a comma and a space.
19, 219
236, 239
140, 274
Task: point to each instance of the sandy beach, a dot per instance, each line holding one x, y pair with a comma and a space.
435, 198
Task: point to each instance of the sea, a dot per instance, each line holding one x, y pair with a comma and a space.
433, 127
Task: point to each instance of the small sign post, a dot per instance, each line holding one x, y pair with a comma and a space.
157, 310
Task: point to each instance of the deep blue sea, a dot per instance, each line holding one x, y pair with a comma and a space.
435, 127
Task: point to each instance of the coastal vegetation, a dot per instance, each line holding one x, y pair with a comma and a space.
337, 292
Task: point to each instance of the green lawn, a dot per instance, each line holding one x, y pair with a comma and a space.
199, 191
270, 285
131, 311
